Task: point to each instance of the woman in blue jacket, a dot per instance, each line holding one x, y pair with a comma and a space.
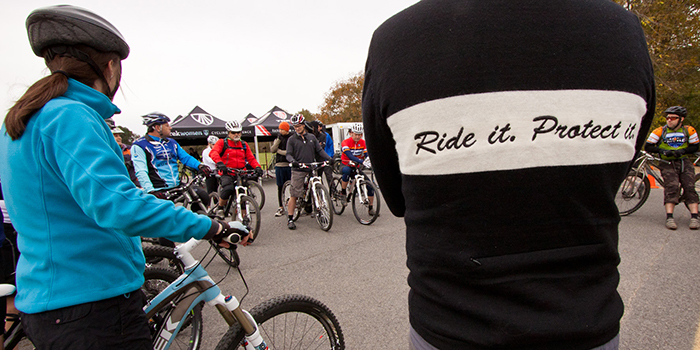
77, 213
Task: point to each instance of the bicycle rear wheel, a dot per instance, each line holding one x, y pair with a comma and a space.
290, 322
190, 335
633, 192
361, 203
250, 214
324, 213
336, 196
255, 191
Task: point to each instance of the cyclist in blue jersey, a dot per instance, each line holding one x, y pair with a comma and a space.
77, 213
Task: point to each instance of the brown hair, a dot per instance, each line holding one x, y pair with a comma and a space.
55, 85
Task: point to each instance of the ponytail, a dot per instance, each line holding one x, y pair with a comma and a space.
33, 100
55, 85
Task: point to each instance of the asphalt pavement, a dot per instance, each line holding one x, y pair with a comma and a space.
360, 273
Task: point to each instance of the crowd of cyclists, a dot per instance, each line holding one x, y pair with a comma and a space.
156, 160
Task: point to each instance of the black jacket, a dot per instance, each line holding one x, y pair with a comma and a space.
501, 130
304, 149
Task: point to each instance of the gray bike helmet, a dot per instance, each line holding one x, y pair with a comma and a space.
155, 118
677, 110
66, 25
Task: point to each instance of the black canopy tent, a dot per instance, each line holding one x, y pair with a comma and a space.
195, 127
267, 127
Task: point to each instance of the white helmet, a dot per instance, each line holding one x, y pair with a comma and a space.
233, 126
357, 128
117, 130
212, 139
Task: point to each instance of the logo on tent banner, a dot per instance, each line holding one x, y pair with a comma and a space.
251, 120
261, 131
202, 118
280, 114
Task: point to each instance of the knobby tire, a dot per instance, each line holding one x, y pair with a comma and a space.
291, 322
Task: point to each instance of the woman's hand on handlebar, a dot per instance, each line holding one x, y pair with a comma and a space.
232, 233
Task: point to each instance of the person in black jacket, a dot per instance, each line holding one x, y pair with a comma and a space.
501, 130
283, 172
302, 147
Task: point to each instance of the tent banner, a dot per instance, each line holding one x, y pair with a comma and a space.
197, 133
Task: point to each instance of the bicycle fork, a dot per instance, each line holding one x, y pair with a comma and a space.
230, 309
360, 190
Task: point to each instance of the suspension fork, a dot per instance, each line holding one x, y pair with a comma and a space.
359, 189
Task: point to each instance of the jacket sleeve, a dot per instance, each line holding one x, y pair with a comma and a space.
138, 157
186, 158
275, 146
100, 184
216, 150
330, 149
381, 147
290, 150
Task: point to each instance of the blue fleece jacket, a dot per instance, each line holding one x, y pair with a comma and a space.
78, 215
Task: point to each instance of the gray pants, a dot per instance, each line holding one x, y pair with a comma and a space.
418, 343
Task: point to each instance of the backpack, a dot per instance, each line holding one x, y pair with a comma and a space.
244, 148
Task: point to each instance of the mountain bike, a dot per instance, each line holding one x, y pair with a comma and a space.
286, 322
361, 191
634, 190
315, 199
242, 206
156, 280
14, 336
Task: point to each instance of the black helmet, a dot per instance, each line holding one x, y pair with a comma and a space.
677, 110
71, 25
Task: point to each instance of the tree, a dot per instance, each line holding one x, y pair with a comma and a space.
672, 30
128, 137
343, 103
307, 114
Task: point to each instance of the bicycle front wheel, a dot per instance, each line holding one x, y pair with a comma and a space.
324, 213
286, 195
256, 192
190, 335
336, 196
633, 192
366, 203
290, 322
250, 215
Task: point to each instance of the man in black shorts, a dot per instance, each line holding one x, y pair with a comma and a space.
302, 147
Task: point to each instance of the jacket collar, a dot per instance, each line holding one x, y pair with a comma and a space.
92, 98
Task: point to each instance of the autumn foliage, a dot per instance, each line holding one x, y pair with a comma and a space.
343, 103
672, 29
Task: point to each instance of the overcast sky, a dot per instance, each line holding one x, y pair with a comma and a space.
229, 57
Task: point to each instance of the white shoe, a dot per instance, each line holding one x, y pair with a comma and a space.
279, 212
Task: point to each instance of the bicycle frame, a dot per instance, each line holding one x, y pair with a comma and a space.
314, 181
644, 167
196, 286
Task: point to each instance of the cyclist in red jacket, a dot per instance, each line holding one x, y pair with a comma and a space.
231, 152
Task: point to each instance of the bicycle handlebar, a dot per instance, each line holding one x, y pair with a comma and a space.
311, 165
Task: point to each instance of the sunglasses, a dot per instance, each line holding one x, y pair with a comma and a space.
671, 118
